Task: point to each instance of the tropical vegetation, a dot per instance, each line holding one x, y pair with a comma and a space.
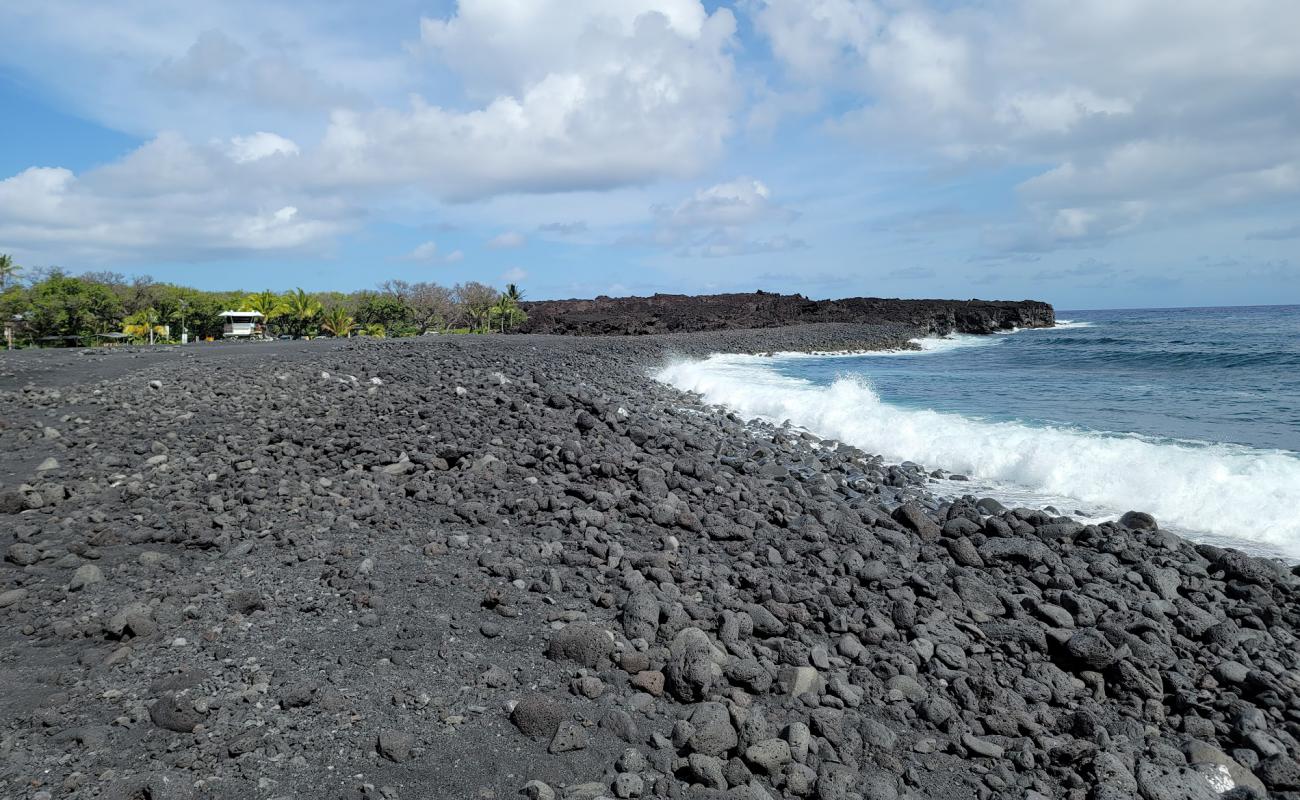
52, 306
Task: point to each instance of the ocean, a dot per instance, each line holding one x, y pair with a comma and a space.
1191, 414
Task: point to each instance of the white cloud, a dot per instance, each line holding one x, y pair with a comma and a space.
510, 240
514, 275
819, 38
732, 218
1145, 112
576, 94
218, 68
260, 145
425, 251
742, 201
167, 199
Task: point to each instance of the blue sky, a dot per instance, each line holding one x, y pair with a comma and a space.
1093, 153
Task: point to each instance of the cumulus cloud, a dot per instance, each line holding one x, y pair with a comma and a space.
743, 201
732, 218
136, 66
510, 240
216, 64
270, 126
514, 275
1144, 113
170, 199
576, 94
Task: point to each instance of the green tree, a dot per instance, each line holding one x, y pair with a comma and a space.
300, 309
266, 302
477, 300
8, 270
63, 306
337, 321
144, 325
506, 310
383, 308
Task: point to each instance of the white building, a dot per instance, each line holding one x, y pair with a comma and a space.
241, 323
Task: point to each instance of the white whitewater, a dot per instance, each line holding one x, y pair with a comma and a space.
1228, 491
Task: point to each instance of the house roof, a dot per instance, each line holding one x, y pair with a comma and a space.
240, 314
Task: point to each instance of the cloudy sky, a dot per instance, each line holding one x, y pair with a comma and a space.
1094, 153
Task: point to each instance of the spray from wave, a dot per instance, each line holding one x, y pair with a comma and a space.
1227, 490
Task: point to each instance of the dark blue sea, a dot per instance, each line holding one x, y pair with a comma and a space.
1191, 414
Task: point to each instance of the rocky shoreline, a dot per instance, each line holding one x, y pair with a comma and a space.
493, 567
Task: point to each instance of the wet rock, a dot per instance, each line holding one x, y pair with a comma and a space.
914, 518
1138, 521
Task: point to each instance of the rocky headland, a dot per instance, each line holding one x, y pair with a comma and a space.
671, 313
497, 567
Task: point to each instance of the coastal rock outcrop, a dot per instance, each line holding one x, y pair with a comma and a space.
670, 313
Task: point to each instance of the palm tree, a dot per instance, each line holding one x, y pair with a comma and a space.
375, 329
503, 310
266, 302
301, 308
507, 310
8, 269
338, 322
143, 324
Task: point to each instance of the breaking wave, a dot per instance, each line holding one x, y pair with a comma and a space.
1225, 490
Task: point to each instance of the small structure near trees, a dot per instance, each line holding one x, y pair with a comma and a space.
242, 323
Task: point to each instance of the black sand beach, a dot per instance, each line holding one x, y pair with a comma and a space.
475, 567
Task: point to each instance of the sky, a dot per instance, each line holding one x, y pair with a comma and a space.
1091, 153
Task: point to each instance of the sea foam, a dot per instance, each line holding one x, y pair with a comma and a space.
1230, 491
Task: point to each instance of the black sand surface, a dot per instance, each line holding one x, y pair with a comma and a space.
470, 567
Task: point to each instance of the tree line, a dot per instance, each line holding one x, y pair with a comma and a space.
50, 306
